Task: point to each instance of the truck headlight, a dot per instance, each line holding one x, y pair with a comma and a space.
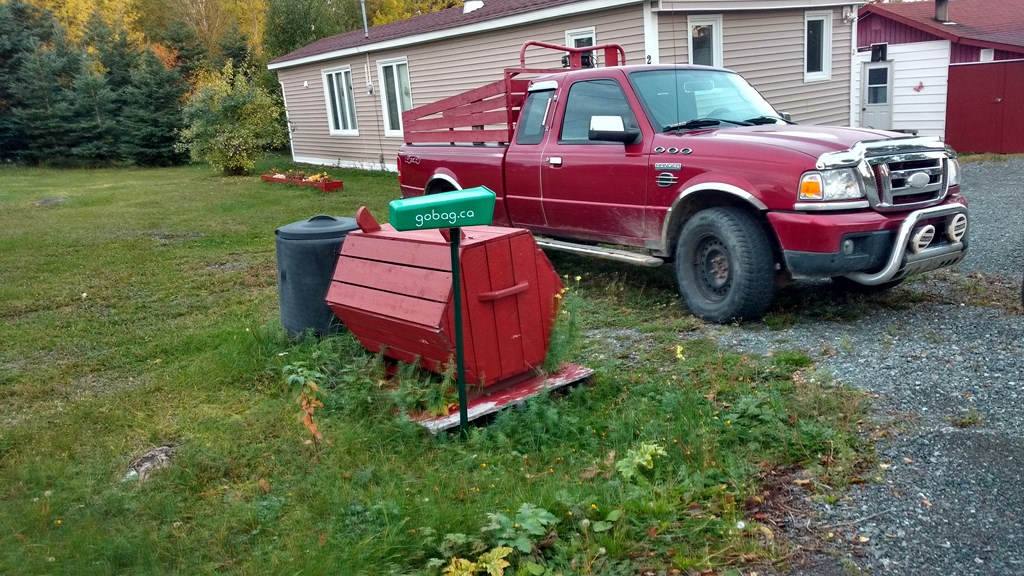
826, 185
952, 172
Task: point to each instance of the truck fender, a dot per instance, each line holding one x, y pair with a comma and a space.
681, 208
443, 179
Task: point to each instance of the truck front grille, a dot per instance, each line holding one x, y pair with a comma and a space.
908, 181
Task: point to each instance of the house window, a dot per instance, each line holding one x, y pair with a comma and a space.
987, 55
396, 96
817, 46
705, 40
341, 103
581, 38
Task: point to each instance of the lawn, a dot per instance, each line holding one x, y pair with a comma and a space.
139, 309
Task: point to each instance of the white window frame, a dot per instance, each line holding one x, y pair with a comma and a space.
715, 21
348, 97
826, 46
381, 65
986, 55
590, 32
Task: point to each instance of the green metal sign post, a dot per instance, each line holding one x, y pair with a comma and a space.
452, 210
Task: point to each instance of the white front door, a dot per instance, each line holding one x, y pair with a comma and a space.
876, 96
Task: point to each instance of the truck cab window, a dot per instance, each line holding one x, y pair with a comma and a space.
531, 119
593, 98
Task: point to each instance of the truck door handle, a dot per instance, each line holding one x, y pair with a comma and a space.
555, 160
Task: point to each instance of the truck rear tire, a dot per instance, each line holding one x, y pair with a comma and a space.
724, 266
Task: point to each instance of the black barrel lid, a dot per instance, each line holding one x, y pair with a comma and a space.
318, 227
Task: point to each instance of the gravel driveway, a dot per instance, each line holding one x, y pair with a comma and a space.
948, 375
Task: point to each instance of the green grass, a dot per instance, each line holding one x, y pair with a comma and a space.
141, 309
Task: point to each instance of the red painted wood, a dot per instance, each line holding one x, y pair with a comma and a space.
413, 310
424, 283
385, 249
459, 121
475, 280
431, 344
486, 91
367, 223
492, 104
549, 284
505, 293
393, 292
456, 136
531, 302
512, 395
506, 311
983, 107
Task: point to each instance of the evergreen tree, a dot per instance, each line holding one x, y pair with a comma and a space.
114, 50
23, 28
234, 46
152, 117
43, 98
94, 111
191, 53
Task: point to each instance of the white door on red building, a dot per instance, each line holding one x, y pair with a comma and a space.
876, 96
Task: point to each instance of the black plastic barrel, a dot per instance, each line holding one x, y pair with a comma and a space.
307, 252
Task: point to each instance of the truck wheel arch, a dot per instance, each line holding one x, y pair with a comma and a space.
441, 183
710, 195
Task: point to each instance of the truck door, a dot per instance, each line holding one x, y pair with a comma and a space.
523, 159
595, 189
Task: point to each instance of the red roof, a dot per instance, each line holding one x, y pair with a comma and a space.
422, 24
992, 23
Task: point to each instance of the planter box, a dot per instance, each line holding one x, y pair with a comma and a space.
328, 186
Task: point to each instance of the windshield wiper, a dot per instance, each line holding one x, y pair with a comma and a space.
701, 123
759, 120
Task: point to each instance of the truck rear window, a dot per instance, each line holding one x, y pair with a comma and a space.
531, 119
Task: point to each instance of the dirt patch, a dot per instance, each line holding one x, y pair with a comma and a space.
50, 201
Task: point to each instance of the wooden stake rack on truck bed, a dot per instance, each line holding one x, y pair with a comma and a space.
488, 114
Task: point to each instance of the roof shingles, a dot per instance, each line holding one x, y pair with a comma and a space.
988, 21
421, 24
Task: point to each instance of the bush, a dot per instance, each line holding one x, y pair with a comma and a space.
231, 122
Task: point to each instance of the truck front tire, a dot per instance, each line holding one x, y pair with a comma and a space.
724, 266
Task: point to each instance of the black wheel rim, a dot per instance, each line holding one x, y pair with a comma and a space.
712, 268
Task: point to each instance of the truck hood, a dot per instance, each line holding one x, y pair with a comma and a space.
814, 141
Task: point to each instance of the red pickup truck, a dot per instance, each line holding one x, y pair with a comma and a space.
691, 165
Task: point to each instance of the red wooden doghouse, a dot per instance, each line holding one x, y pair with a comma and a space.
393, 291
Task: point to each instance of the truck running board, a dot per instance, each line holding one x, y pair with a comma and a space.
601, 252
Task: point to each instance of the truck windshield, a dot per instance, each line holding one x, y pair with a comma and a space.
675, 98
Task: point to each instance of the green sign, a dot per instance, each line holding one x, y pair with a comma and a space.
472, 207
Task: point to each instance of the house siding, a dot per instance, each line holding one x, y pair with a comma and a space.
767, 48
920, 84
437, 70
875, 29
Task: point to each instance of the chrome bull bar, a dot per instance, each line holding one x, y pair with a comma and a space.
904, 263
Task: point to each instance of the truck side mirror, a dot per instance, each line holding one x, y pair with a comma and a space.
612, 129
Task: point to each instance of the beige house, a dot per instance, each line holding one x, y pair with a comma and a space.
344, 95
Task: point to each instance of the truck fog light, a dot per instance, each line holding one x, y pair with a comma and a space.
847, 247
956, 228
921, 238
